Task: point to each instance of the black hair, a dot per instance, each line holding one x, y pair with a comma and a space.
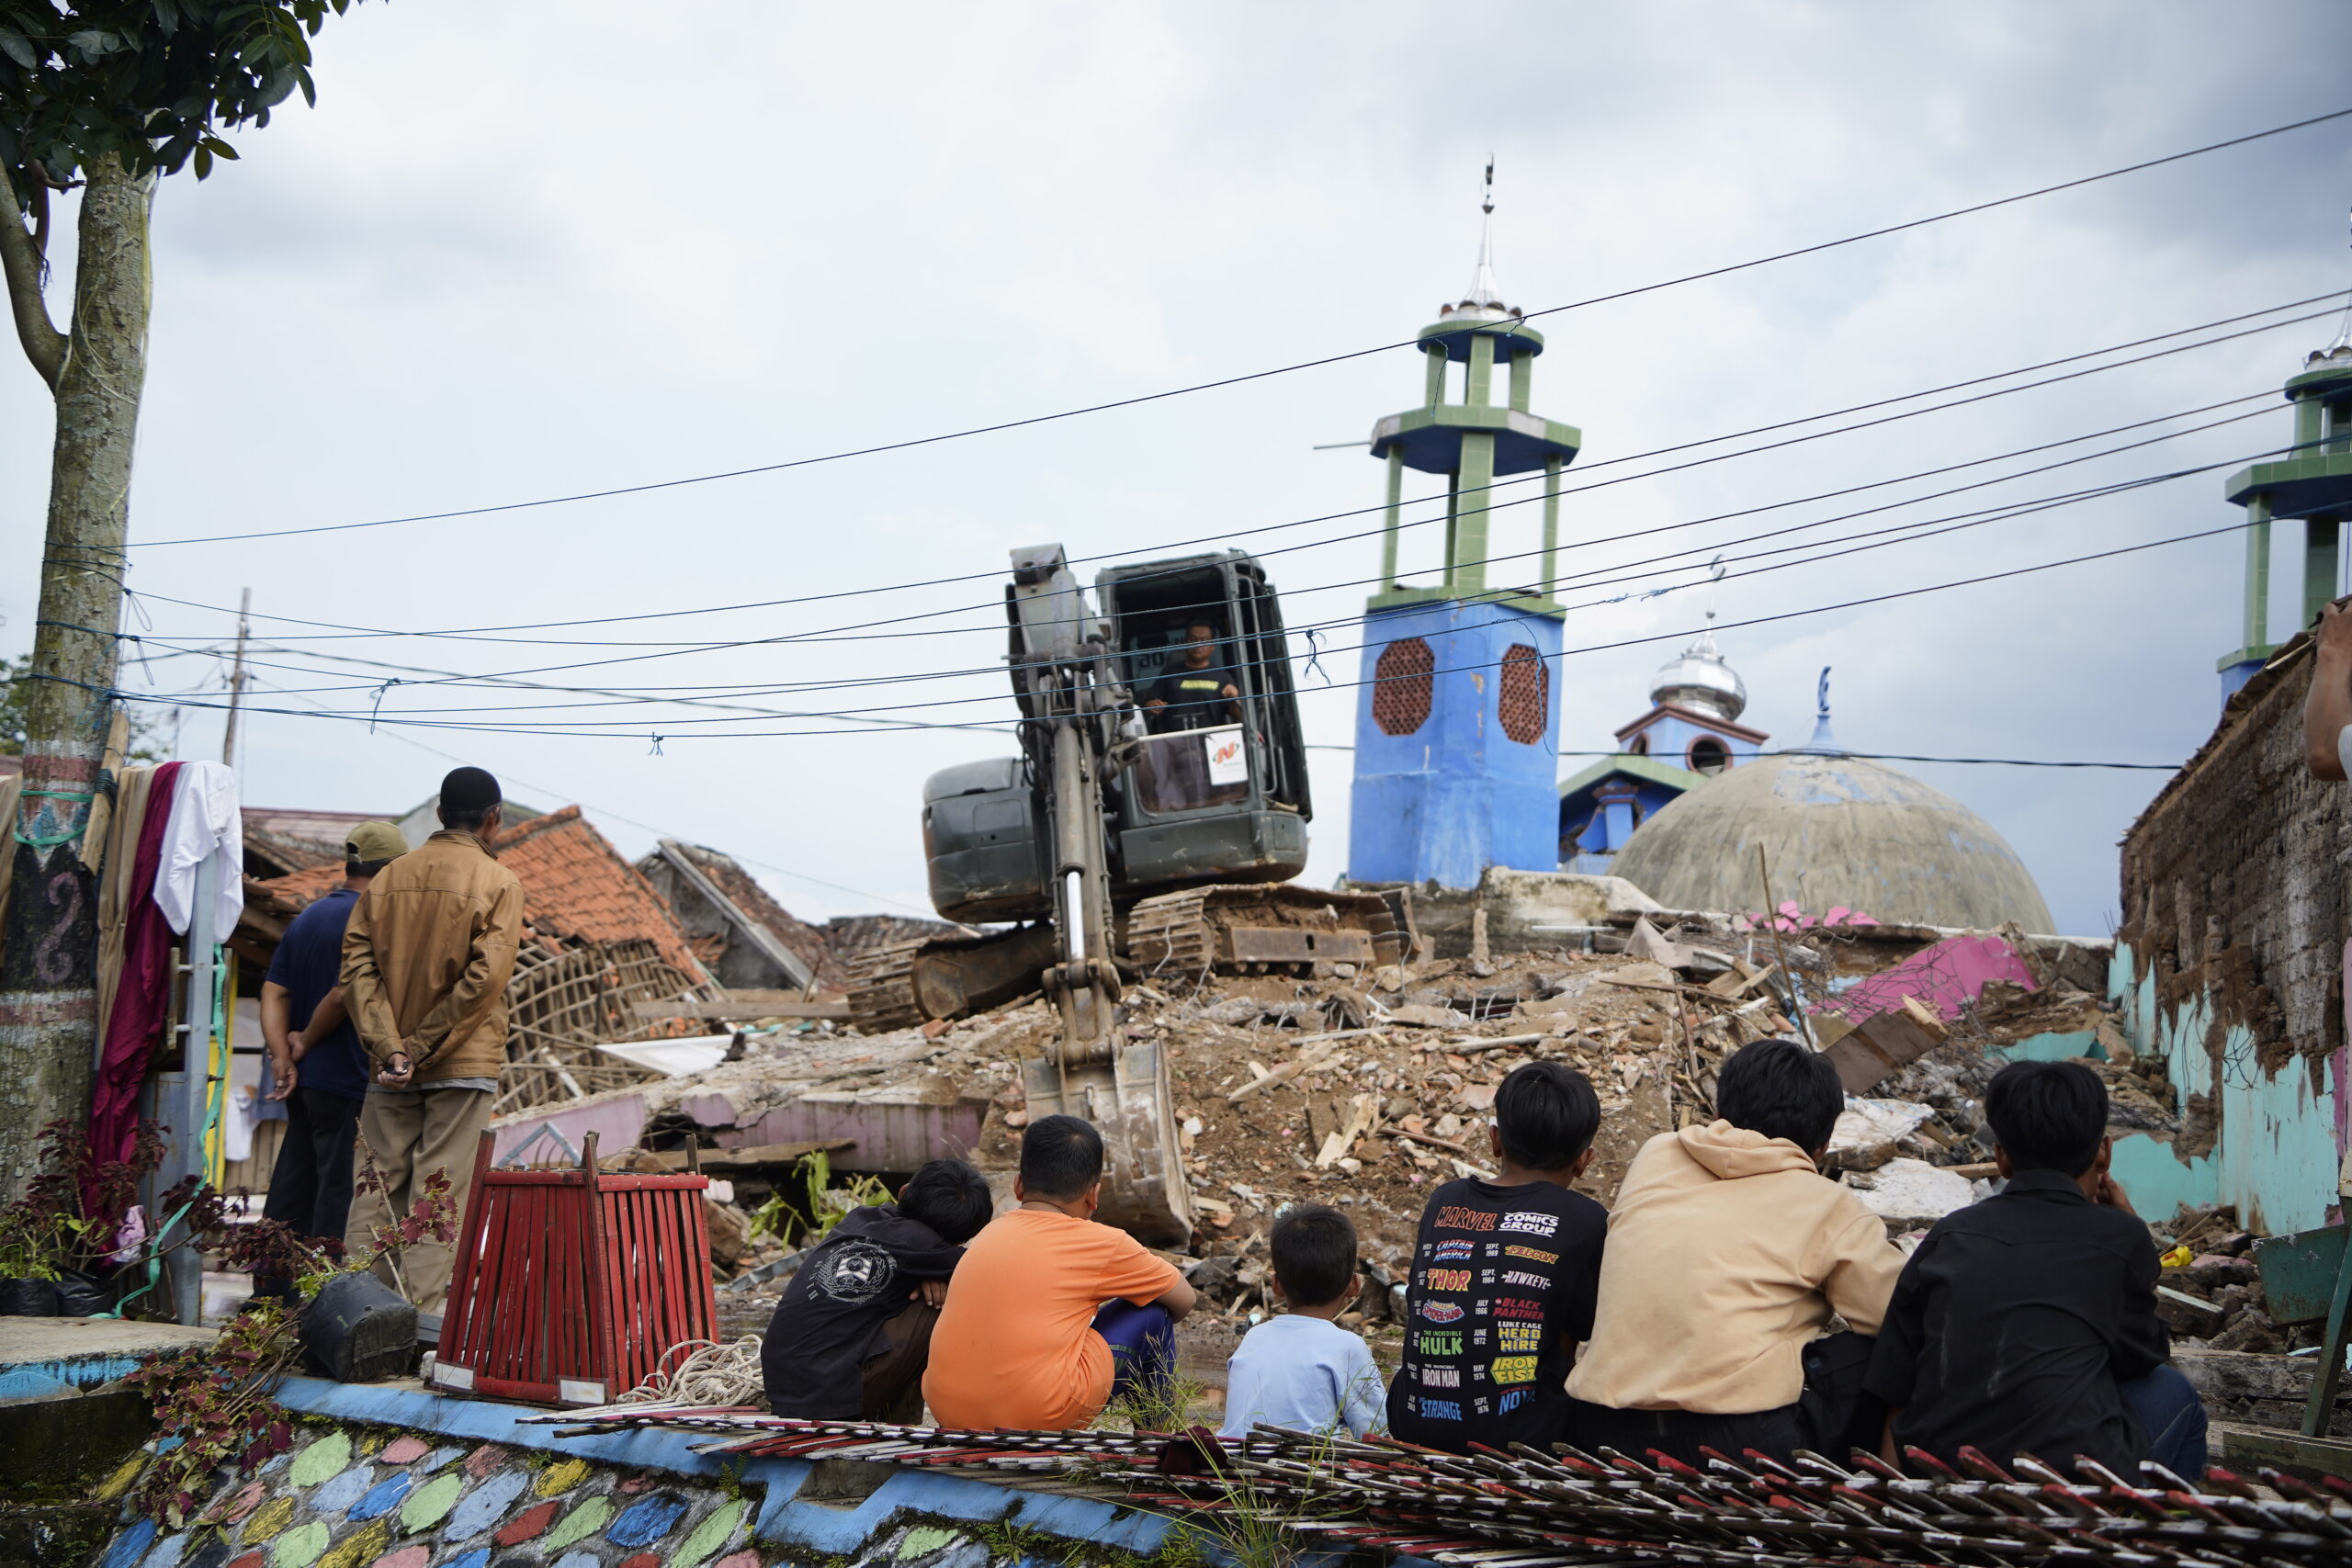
1314, 1248
467, 794
364, 867
1781, 1089
1061, 1156
950, 1198
2047, 1115
1548, 1115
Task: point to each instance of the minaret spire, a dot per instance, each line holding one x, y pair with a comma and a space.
1482, 289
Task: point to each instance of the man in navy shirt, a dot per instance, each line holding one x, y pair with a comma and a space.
321, 1072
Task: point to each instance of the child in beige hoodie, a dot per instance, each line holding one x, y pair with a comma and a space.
1728, 1251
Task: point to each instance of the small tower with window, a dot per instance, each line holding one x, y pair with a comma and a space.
1691, 733
1457, 717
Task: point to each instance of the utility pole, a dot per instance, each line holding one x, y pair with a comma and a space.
236, 683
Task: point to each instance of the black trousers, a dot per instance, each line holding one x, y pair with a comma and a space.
309, 1187
1832, 1416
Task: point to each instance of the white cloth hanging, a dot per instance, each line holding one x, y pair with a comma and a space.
205, 825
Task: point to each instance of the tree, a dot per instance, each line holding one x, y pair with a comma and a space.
108, 95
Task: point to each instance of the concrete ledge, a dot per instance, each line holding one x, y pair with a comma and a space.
836, 1528
42, 1356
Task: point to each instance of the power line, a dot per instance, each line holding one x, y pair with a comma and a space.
476, 633
1907, 531
657, 738
657, 832
772, 688
1262, 375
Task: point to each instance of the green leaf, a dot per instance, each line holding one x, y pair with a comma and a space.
15, 47
203, 162
92, 42
218, 148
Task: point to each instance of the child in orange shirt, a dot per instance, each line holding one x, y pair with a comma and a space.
1051, 1314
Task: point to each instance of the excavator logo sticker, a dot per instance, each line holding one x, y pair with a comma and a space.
1227, 764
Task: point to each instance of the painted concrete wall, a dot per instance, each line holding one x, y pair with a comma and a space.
1458, 795
2277, 1154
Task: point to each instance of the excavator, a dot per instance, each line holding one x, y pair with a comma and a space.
1129, 840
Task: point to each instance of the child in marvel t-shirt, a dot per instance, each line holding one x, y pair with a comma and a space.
1505, 1277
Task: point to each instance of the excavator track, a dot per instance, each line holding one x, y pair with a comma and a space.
1244, 928
882, 990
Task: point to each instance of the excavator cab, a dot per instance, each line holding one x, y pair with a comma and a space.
1205, 788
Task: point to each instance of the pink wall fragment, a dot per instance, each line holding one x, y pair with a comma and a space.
1947, 976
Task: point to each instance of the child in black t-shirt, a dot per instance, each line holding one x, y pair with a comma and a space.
851, 1334
1505, 1277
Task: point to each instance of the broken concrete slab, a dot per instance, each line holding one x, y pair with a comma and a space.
1909, 1193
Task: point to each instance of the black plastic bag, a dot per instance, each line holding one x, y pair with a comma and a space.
359, 1330
86, 1295
29, 1298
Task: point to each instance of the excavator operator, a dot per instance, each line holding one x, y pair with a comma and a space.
1186, 695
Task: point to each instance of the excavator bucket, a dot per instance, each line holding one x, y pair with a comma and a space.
1128, 1100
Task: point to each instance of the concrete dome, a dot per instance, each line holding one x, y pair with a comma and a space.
1837, 830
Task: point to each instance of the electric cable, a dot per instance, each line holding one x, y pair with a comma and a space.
1278, 370
1965, 520
1589, 648
1365, 510
772, 688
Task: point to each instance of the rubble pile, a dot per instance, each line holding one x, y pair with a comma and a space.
1367, 1089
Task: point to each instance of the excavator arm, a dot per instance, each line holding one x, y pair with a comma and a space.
1075, 707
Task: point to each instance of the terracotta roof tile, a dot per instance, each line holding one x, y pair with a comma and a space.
305, 887
577, 887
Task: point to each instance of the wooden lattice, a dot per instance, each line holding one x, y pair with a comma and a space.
1525, 695
1403, 686
563, 1003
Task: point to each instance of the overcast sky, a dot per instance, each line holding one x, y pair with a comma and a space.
521, 250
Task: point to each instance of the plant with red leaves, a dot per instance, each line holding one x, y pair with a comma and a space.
71, 1211
219, 1400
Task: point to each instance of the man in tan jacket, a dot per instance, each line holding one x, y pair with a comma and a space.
425, 961
1728, 1251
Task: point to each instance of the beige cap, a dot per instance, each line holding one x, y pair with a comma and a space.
372, 841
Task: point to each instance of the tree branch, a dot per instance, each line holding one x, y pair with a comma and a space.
20, 261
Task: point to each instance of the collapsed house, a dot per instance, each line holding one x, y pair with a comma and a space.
2230, 964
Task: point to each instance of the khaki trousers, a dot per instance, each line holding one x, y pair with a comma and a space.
412, 1133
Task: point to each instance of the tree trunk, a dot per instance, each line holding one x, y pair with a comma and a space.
48, 945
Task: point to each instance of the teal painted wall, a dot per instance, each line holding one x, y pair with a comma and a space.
2276, 1157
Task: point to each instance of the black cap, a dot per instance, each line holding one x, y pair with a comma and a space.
468, 792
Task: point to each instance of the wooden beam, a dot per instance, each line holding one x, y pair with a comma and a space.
745, 1005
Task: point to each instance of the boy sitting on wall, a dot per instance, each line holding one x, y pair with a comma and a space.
1728, 1251
852, 1331
1302, 1370
1504, 1274
2027, 1324
1051, 1314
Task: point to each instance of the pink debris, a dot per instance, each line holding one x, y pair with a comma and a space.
1946, 976
405, 1451
406, 1557
484, 1459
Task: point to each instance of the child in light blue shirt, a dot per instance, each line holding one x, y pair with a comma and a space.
1302, 1370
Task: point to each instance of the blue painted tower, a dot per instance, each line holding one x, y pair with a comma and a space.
2312, 482
1457, 720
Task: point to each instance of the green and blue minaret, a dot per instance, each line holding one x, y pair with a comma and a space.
1457, 720
2312, 484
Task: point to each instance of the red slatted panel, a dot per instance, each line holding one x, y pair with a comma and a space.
575, 1276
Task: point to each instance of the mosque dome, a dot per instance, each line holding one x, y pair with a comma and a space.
1698, 679
1835, 831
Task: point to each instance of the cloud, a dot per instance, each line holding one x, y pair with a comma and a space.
522, 251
